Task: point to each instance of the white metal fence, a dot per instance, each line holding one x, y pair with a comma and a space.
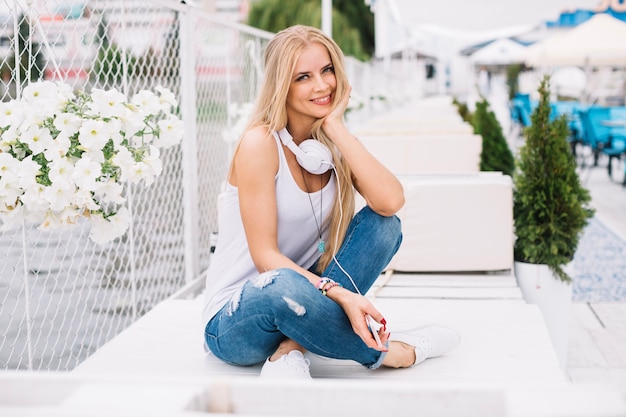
63, 296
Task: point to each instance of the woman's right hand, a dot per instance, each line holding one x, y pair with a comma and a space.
357, 307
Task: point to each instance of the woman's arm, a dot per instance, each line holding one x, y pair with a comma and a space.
254, 169
379, 187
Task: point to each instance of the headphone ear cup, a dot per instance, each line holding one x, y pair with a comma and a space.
315, 157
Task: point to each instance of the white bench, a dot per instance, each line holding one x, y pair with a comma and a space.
426, 153
402, 129
456, 223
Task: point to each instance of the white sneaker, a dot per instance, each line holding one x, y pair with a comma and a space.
292, 365
429, 341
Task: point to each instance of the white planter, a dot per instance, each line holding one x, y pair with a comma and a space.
554, 297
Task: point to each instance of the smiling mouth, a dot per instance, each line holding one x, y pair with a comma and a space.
322, 100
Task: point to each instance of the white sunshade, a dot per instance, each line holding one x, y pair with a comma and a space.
499, 52
600, 41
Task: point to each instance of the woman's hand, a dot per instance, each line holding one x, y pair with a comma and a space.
357, 307
335, 117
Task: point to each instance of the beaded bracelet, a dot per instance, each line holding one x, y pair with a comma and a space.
326, 284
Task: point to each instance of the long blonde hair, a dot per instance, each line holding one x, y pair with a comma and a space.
281, 56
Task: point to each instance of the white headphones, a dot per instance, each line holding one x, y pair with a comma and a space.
311, 154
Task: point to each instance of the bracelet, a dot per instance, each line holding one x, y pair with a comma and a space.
326, 284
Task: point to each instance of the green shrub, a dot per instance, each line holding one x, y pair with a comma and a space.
550, 205
496, 154
463, 110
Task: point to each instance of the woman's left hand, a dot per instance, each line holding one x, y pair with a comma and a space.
336, 116
357, 307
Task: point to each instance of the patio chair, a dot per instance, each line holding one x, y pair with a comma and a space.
521, 108
603, 134
618, 146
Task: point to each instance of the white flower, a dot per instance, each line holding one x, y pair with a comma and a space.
51, 220
9, 139
59, 196
133, 123
171, 131
9, 181
67, 123
110, 192
64, 157
27, 172
95, 155
11, 114
59, 147
61, 173
34, 200
104, 230
86, 173
94, 134
108, 103
12, 218
154, 165
125, 161
147, 102
9, 193
83, 201
38, 139
8, 164
45, 93
137, 172
166, 98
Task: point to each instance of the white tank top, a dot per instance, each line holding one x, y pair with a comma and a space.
298, 236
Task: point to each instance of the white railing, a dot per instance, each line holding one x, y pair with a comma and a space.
63, 296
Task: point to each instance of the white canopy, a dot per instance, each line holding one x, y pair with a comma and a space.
499, 52
600, 41
569, 81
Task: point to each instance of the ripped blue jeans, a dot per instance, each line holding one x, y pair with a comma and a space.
282, 303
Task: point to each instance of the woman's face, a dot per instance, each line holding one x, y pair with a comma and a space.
312, 87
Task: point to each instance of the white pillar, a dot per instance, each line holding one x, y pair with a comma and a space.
189, 144
382, 47
327, 17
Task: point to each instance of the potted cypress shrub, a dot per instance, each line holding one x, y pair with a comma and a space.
550, 209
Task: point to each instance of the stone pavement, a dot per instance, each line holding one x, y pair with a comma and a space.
597, 350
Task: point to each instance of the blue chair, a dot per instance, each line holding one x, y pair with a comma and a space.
603, 132
521, 108
617, 148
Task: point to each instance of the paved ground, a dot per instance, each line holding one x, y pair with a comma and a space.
597, 351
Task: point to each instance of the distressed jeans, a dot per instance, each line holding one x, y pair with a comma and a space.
282, 303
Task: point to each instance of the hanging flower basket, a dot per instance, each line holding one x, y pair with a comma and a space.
65, 156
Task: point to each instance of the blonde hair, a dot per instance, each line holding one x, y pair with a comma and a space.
281, 56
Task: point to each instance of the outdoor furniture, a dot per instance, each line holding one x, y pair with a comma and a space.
456, 222
604, 132
428, 153
521, 109
418, 128
571, 110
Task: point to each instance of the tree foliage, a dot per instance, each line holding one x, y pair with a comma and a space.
463, 110
496, 154
551, 207
353, 22
512, 79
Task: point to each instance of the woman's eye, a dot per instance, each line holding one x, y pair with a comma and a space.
302, 77
329, 69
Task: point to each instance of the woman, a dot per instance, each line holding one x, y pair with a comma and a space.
292, 260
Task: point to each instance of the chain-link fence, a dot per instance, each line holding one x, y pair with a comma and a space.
61, 295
